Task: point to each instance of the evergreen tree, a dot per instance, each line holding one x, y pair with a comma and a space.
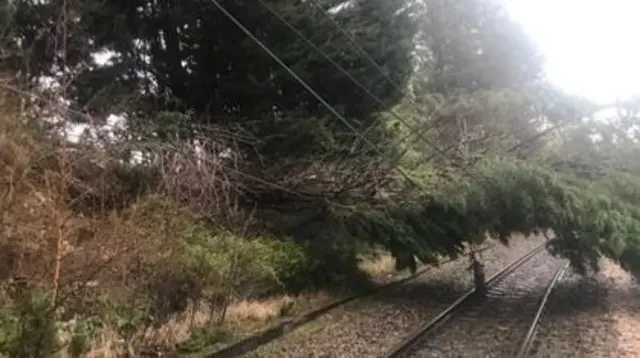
187, 56
177, 69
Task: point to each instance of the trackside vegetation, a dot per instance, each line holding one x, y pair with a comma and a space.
160, 173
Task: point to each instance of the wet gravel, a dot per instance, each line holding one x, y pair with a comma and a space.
370, 327
495, 326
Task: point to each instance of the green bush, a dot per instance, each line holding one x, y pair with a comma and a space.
216, 267
232, 263
286, 262
27, 326
83, 334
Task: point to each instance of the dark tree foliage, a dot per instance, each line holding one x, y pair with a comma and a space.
187, 56
178, 68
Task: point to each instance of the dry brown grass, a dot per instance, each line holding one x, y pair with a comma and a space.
107, 344
379, 266
243, 317
259, 310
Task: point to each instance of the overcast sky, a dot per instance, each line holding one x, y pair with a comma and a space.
592, 47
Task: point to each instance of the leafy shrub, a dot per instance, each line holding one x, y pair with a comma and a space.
27, 326
217, 267
82, 335
232, 263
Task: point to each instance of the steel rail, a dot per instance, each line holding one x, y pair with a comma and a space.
285, 326
528, 338
429, 326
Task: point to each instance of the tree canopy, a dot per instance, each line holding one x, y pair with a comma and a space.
457, 135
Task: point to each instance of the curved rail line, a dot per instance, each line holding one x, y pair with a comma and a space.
408, 344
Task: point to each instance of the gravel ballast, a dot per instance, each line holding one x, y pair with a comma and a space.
595, 316
496, 326
371, 326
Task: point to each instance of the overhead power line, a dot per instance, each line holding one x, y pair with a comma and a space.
301, 81
314, 93
368, 57
368, 92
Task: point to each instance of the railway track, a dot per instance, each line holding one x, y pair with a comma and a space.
276, 331
501, 325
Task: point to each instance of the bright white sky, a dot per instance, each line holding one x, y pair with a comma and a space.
591, 47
